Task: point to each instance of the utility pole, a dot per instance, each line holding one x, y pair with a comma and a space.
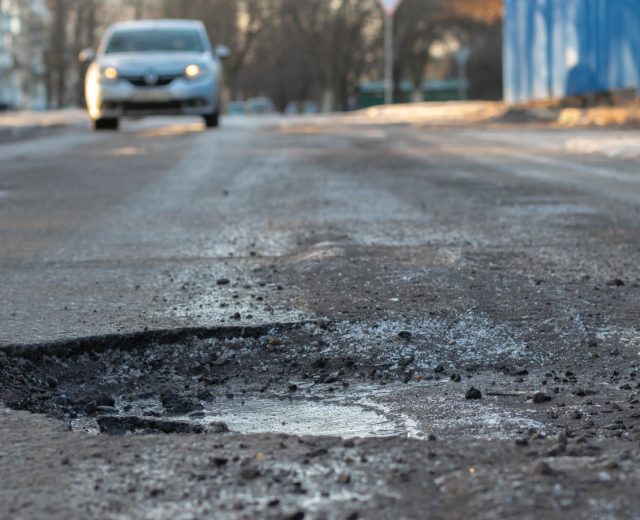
389, 7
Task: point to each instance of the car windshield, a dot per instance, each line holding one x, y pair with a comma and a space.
155, 40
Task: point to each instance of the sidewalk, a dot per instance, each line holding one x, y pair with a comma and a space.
462, 113
18, 125
437, 113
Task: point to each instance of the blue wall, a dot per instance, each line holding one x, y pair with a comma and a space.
555, 48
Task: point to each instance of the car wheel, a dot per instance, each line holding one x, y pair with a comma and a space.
106, 123
212, 120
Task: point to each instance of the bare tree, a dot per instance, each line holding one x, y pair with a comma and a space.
138, 6
335, 40
419, 23
57, 54
84, 35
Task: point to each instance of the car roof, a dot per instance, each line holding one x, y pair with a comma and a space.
158, 24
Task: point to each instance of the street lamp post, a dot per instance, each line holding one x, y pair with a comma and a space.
389, 7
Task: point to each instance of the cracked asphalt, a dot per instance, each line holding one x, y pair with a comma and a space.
374, 266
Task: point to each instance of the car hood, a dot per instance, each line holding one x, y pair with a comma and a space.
161, 63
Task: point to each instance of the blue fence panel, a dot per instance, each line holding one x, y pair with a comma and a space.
554, 48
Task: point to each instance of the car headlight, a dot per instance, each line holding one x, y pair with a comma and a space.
110, 74
194, 71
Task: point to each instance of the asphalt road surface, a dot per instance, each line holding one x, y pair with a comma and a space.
283, 270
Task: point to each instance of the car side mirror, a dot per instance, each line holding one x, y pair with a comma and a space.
222, 51
87, 55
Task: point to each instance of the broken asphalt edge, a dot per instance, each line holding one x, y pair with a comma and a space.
142, 339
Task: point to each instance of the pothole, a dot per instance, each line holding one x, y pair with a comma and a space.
247, 385
293, 380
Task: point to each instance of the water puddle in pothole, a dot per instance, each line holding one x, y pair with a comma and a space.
301, 417
291, 416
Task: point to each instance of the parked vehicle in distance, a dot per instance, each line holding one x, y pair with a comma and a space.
154, 67
236, 108
260, 106
307, 107
310, 107
293, 108
251, 106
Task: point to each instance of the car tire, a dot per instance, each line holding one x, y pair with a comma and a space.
212, 120
106, 123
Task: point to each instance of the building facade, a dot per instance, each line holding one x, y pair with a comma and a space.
23, 44
558, 48
8, 78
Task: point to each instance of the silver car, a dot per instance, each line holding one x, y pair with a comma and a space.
159, 67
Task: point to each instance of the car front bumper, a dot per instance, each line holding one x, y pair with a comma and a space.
180, 97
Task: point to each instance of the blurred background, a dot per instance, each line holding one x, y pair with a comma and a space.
288, 55
308, 56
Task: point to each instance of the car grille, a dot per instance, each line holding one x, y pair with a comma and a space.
132, 106
170, 106
163, 80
